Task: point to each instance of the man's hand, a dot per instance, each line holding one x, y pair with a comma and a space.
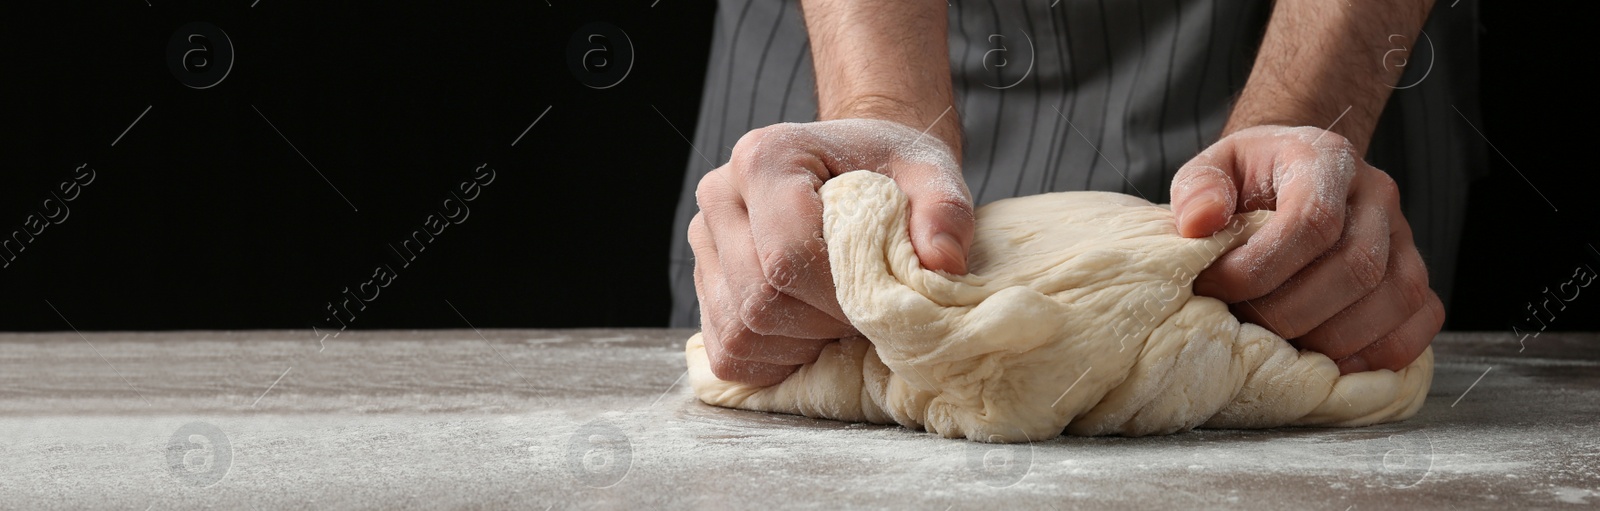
1335, 270
767, 301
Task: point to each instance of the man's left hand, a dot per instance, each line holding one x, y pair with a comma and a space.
1335, 270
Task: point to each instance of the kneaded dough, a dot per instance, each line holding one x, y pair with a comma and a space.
1077, 317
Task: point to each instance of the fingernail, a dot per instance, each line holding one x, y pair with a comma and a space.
1353, 364
948, 247
1210, 199
1191, 214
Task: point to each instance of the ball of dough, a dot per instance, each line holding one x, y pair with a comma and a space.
1077, 317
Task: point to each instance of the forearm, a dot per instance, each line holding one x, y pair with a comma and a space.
1319, 58
885, 60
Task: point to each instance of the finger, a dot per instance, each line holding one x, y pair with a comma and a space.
794, 295
942, 223
744, 353
751, 347
702, 249
1203, 194
1399, 348
1311, 186
746, 310
708, 285
727, 368
1355, 267
738, 268
727, 220
728, 344
1404, 291
775, 169
770, 312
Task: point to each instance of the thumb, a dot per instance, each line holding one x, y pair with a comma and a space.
1203, 196
942, 223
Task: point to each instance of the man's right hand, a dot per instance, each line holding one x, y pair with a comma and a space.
761, 274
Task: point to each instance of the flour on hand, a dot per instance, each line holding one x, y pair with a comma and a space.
1077, 317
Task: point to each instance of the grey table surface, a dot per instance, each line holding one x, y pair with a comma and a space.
559, 419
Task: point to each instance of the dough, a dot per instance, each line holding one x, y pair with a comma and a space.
1077, 318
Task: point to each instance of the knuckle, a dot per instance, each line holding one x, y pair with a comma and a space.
1341, 144
1387, 187
1414, 290
699, 234
724, 367
710, 190
758, 311
1367, 265
1436, 313
956, 206
1325, 222
739, 343
1305, 133
783, 266
753, 144
1387, 190
779, 266
1325, 140
760, 322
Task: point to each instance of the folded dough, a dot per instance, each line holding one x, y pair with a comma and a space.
1077, 317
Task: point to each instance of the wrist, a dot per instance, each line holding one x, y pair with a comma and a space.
936, 120
1316, 66
1354, 121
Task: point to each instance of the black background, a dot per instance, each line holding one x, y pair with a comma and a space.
1537, 115
203, 217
